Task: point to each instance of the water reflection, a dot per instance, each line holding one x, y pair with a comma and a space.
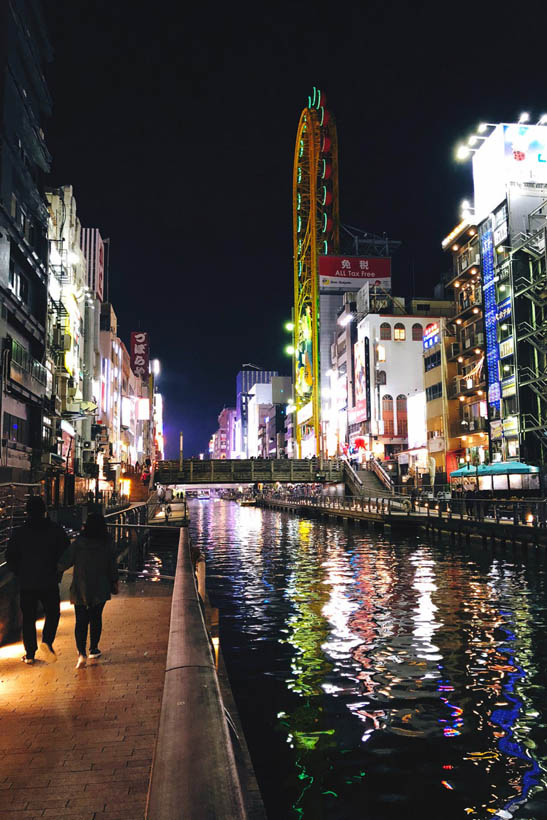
377, 677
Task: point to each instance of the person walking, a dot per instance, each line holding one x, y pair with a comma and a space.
95, 577
32, 555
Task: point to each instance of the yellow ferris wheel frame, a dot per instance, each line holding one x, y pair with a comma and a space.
316, 231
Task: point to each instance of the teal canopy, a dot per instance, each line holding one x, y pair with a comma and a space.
497, 468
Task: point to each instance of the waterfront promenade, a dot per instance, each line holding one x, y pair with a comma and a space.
78, 744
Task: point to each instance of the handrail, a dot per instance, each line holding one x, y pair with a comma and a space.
194, 773
375, 467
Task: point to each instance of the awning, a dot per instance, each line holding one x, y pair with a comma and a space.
497, 468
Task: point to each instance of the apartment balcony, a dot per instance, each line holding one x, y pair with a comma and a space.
468, 343
471, 300
466, 427
26, 373
465, 385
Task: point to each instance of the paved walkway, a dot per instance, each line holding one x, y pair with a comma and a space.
78, 744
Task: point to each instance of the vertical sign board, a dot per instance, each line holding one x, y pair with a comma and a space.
360, 381
490, 315
367, 378
140, 353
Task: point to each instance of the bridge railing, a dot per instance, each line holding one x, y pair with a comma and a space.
246, 471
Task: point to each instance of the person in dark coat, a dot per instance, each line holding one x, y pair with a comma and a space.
32, 555
95, 577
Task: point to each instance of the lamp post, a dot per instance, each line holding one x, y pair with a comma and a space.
181, 442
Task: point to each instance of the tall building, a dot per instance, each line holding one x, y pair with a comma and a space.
25, 400
247, 377
510, 212
465, 353
66, 324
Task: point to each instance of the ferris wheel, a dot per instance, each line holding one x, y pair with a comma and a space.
315, 233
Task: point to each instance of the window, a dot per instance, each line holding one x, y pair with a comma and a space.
387, 415
381, 377
18, 284
417, 333
425, 307
399, 333
385, 332
15, 428
434, 392
432, 361
402, 422
381, 351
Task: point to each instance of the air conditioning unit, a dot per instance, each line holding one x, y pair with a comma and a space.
66, 342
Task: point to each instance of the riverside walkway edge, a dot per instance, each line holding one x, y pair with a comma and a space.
454, 525
194, 773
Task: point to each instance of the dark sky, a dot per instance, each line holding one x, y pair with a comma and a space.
175, 123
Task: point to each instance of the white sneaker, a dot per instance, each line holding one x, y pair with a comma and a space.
47, 653
81, 662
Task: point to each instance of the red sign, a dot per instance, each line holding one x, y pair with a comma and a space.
352, 272
140, 353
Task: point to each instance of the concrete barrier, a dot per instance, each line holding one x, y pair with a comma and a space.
194, 774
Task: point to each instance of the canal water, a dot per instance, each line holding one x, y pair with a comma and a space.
380, 677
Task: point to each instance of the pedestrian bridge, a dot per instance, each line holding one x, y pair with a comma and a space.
249, 471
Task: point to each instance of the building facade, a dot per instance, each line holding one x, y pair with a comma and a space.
26, 380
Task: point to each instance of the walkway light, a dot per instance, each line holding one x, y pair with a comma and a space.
289, 350
524, 117
289, 326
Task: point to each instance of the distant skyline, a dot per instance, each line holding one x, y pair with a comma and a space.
177, 133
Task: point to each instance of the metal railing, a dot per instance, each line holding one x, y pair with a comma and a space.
376, 468
531, 513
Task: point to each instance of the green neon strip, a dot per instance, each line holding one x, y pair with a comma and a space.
299, 202
322, 115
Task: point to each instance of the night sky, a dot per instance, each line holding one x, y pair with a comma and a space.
175, 123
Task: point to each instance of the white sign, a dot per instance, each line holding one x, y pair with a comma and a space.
513, 153
305, 413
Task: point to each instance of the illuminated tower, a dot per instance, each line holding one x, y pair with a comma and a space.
315, 232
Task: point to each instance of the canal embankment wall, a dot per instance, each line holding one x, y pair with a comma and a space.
201, 766
380, 513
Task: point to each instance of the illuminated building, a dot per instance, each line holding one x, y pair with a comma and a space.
66, 317
247, 377
224, 442
25, 103
465, 352
387, 370
510, 211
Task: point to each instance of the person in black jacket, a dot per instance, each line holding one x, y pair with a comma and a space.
32, 555
94, 578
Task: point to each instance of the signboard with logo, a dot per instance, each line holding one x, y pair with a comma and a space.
347, 273
490, 315
504, 309
510, 426
507, 348
512, 153
140, 353
508, 387
360, 413
431, 336
305, 413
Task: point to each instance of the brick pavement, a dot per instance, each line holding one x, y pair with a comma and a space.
78, 744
